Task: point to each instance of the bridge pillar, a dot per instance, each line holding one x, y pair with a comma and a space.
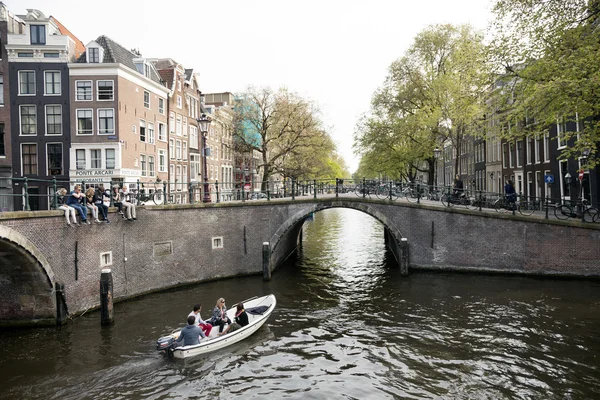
61, 303
106, 297
404, 257
266, 256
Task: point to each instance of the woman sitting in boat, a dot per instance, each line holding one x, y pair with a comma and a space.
190, 334
219, 315
241, 320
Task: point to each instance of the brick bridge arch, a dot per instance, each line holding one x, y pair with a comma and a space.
27, 291
285, 237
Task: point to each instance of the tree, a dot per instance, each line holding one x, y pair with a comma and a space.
432, 95
284, 128
548, 52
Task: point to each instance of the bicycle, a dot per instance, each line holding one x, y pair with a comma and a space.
503, 205
143, 196
414, 192
451, 199
566, 211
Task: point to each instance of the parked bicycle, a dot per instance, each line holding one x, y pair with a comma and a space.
146, 195
566, 211
451, 199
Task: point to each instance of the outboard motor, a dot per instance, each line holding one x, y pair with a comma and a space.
165, 343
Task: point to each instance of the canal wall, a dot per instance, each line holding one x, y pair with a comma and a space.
177, 245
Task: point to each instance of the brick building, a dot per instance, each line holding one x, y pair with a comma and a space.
119, 117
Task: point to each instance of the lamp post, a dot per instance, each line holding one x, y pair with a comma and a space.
436, 155
204, 123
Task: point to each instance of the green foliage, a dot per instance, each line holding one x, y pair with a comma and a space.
549, 57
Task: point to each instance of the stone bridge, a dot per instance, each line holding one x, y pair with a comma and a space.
48, 269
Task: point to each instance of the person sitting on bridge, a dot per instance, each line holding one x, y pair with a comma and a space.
190, 334
116, 196
89, 202
75, 200
204, 325
128, 204
69, 211
99, 196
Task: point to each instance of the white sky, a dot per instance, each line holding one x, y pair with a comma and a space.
334, 52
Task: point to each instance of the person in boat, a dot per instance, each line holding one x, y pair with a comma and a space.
204, 325
219, 315
240, 320
190, 334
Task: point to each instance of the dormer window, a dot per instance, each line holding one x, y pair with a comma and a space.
94, 55
38, 34
146, 70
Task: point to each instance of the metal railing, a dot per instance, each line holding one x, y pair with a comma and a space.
164, 192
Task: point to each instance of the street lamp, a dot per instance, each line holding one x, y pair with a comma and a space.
204, 123
436, 154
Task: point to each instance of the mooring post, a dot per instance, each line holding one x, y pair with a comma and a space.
266, 255
61, 303
404, 258
106, 297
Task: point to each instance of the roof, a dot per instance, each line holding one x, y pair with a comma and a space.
115, 53
79, 46
167, 77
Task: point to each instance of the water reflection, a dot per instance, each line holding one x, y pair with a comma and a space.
347, 326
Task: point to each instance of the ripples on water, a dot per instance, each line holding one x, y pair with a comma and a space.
347, 326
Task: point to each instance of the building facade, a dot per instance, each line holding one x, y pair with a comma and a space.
119, 119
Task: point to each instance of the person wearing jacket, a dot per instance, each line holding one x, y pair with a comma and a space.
75, 200
219, 315
190, 334
99, 202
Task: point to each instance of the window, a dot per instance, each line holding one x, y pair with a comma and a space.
162, 134
80, 159
528, 150
162, 160
561, 129
93, 55
96, 158
143, 165
161, 106
185, 127
85, 122
178, 177
54, 157
1, 89
536, 149
26, 83
547, 147
185, 152
2, 146
105, 90
106, 121
504, 155
172, 149
142, 130
146, 99
179, 104
28, 116
53, 120
38, 34
519, 152
172, 122
172, 176
110, 158
184, 174
29, 158
51, 55
193, 137
194, 166
52, 83
84, 90
147, 70
178, 83
178, 149
150, 133
25, 54
178, 126
217, 242
151, 166
106, 259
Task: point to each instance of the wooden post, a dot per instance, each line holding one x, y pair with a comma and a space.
106, 297
266, 255
404, 257
61, 303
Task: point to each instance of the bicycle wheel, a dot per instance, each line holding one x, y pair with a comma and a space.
526, 208
500, 206
383, 192
472, 204
411, 195
563, 212
158, 198
590, 215
447, 200
358, 190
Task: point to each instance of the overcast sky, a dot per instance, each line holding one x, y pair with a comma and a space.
333, 52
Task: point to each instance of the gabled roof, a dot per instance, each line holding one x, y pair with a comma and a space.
115, 53
79, 46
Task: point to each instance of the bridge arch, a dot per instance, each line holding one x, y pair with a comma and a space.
27, 291
284, 240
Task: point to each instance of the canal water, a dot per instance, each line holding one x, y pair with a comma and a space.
347, 326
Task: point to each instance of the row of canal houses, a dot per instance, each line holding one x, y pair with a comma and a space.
100, 113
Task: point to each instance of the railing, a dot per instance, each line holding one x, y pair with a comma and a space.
163, 192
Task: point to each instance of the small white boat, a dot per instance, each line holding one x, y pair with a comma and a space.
258, 309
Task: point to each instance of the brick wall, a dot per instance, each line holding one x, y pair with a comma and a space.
173, 245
